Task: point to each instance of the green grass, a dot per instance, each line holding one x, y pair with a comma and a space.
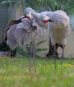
14, 72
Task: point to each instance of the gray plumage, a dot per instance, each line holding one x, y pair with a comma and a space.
59, 26
20, 34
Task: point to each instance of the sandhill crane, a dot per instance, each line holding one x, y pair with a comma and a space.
8, 26
25, 31
59, 29
33, 15
20, 34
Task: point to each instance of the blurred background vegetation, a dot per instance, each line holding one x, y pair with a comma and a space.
40, 5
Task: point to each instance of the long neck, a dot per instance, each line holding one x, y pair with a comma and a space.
36, 15
50, 13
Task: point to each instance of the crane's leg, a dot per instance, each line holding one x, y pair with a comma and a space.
54, 55
34, 46
56, 51
50, 52
30, 56
62, 56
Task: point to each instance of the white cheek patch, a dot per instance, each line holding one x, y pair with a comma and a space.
29, 15
46, 18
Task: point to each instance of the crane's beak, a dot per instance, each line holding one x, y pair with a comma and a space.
27, 17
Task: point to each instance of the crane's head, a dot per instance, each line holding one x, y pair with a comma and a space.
28, 12
45, 17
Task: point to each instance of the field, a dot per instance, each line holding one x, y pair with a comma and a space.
14, 72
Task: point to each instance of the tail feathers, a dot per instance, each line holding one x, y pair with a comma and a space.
4, 46
10, 23
5, 39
